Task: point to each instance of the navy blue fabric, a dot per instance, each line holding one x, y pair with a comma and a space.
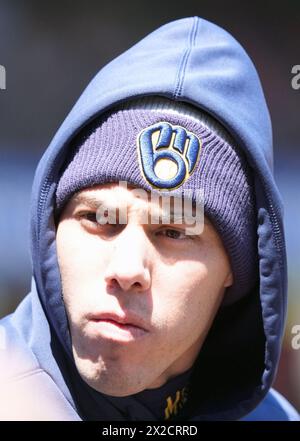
167, 402
194, 61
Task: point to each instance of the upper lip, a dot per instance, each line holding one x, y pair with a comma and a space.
123, 319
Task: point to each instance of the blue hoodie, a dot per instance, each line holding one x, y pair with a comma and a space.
194, 61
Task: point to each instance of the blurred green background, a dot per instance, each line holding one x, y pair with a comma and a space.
51, 50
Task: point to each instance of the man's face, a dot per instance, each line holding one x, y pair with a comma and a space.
140, 297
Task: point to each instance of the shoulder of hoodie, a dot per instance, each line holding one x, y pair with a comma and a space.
27, 391
274, 407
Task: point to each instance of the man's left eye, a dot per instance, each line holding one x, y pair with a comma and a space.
173, 234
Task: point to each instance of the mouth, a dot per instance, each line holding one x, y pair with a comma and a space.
118, 327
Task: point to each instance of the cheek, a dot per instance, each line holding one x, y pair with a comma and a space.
82, 259
187, 293
78, 253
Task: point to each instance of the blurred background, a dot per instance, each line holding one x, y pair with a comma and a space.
51, 50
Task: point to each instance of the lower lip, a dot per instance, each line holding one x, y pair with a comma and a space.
116, 331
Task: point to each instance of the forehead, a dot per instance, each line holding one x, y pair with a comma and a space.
115, 193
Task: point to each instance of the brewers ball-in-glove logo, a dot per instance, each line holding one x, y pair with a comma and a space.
168, 154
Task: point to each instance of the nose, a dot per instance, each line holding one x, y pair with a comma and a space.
128, 268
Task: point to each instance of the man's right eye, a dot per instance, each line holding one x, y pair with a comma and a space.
89, 216
91, 223
88, 219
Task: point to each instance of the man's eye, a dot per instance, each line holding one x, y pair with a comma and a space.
173, 234
94, 225
90, 216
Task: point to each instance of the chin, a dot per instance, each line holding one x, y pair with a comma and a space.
114, 390
113, 381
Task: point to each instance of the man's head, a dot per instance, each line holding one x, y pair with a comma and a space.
168, 284
140, 297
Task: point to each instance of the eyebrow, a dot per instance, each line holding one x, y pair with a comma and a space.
92, 201
95, 202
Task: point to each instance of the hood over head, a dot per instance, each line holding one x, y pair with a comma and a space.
195, 62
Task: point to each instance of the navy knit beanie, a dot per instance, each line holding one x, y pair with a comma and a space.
106, 151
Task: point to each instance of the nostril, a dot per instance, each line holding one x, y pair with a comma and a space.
113, 284
127, 280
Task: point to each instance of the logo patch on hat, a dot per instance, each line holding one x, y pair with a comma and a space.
168, 155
